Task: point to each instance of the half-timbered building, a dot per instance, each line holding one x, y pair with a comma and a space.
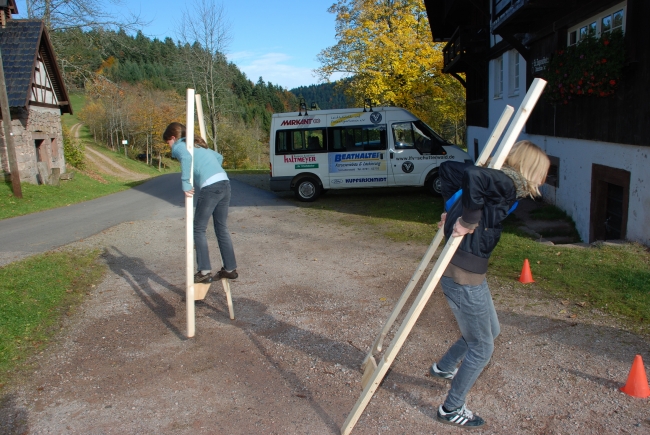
598, 141
37, 98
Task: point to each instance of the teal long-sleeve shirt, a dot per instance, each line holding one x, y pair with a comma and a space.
207, 163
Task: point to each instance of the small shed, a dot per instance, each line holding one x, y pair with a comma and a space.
37, 99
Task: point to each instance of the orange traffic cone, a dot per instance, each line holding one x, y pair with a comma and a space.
637, 382
526, 277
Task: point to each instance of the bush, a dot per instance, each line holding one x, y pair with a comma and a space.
73, 150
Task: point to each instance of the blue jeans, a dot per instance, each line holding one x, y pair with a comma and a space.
479, 326
213, 201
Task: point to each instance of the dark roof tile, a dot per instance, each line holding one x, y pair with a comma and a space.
19, 42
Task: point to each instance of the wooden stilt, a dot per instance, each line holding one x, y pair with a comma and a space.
199, 115
226, 288
189, 220
438, 269
224, 282
200, 291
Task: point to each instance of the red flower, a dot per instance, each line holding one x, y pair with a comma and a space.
590, 91
602, 94
580, 82
612, 82
604, 61
606, 42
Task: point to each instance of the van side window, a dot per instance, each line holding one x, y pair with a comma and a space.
358, 138
300, 141
418, 135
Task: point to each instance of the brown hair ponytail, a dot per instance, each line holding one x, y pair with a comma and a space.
199, 142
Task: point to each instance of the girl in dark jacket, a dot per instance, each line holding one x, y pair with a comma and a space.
486, 199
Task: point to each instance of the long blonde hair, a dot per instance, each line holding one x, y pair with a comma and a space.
531, 162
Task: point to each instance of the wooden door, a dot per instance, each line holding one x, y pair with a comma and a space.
610, 194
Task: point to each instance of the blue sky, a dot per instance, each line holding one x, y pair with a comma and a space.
277, 40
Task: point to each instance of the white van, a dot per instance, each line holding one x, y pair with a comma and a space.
351, 148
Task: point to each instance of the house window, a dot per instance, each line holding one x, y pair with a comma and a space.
498, 77
513, 62
553, 176
607, 21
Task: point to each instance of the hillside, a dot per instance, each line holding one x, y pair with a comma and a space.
324, 95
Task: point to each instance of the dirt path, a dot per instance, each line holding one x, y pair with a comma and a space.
311, 296
106, 165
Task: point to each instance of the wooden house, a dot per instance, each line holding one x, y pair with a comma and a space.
598, 141
37, 97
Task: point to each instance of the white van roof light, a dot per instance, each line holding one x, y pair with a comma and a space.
367, 102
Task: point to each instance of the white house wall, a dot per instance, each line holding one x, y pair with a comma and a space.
576, 158
44, 93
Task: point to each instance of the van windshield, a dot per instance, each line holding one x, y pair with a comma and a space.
418, 135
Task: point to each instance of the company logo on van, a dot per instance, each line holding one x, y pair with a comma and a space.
299, 159
375, 117
408, 167
303, 121
366, 180
357, 156
341, 119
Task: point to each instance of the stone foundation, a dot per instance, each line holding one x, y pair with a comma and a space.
38, 140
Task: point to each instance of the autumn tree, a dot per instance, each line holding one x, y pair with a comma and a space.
385, 48
136, 113
205, 33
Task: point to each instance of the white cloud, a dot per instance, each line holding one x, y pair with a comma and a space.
276, 68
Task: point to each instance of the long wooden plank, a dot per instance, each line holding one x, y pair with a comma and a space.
189, 220
441, 264
199, 115
433, 247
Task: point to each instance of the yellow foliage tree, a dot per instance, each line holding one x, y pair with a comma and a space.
386, 49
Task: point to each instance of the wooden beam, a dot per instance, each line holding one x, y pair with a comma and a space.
9, 136
189, 220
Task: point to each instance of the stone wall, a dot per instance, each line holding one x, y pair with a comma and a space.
38, 140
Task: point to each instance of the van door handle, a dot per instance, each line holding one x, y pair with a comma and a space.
391, 155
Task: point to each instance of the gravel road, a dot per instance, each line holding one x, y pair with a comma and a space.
311, 296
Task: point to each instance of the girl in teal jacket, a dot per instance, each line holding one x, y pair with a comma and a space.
214, 200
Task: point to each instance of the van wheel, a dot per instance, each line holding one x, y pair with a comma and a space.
433, 185
307, 189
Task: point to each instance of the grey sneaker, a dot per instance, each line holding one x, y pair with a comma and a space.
460, 417
230, 275
199, 278
433, 371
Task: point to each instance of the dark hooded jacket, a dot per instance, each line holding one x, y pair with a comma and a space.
487, 197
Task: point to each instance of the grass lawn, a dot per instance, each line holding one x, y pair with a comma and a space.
610, 279
38, 198
35, 294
